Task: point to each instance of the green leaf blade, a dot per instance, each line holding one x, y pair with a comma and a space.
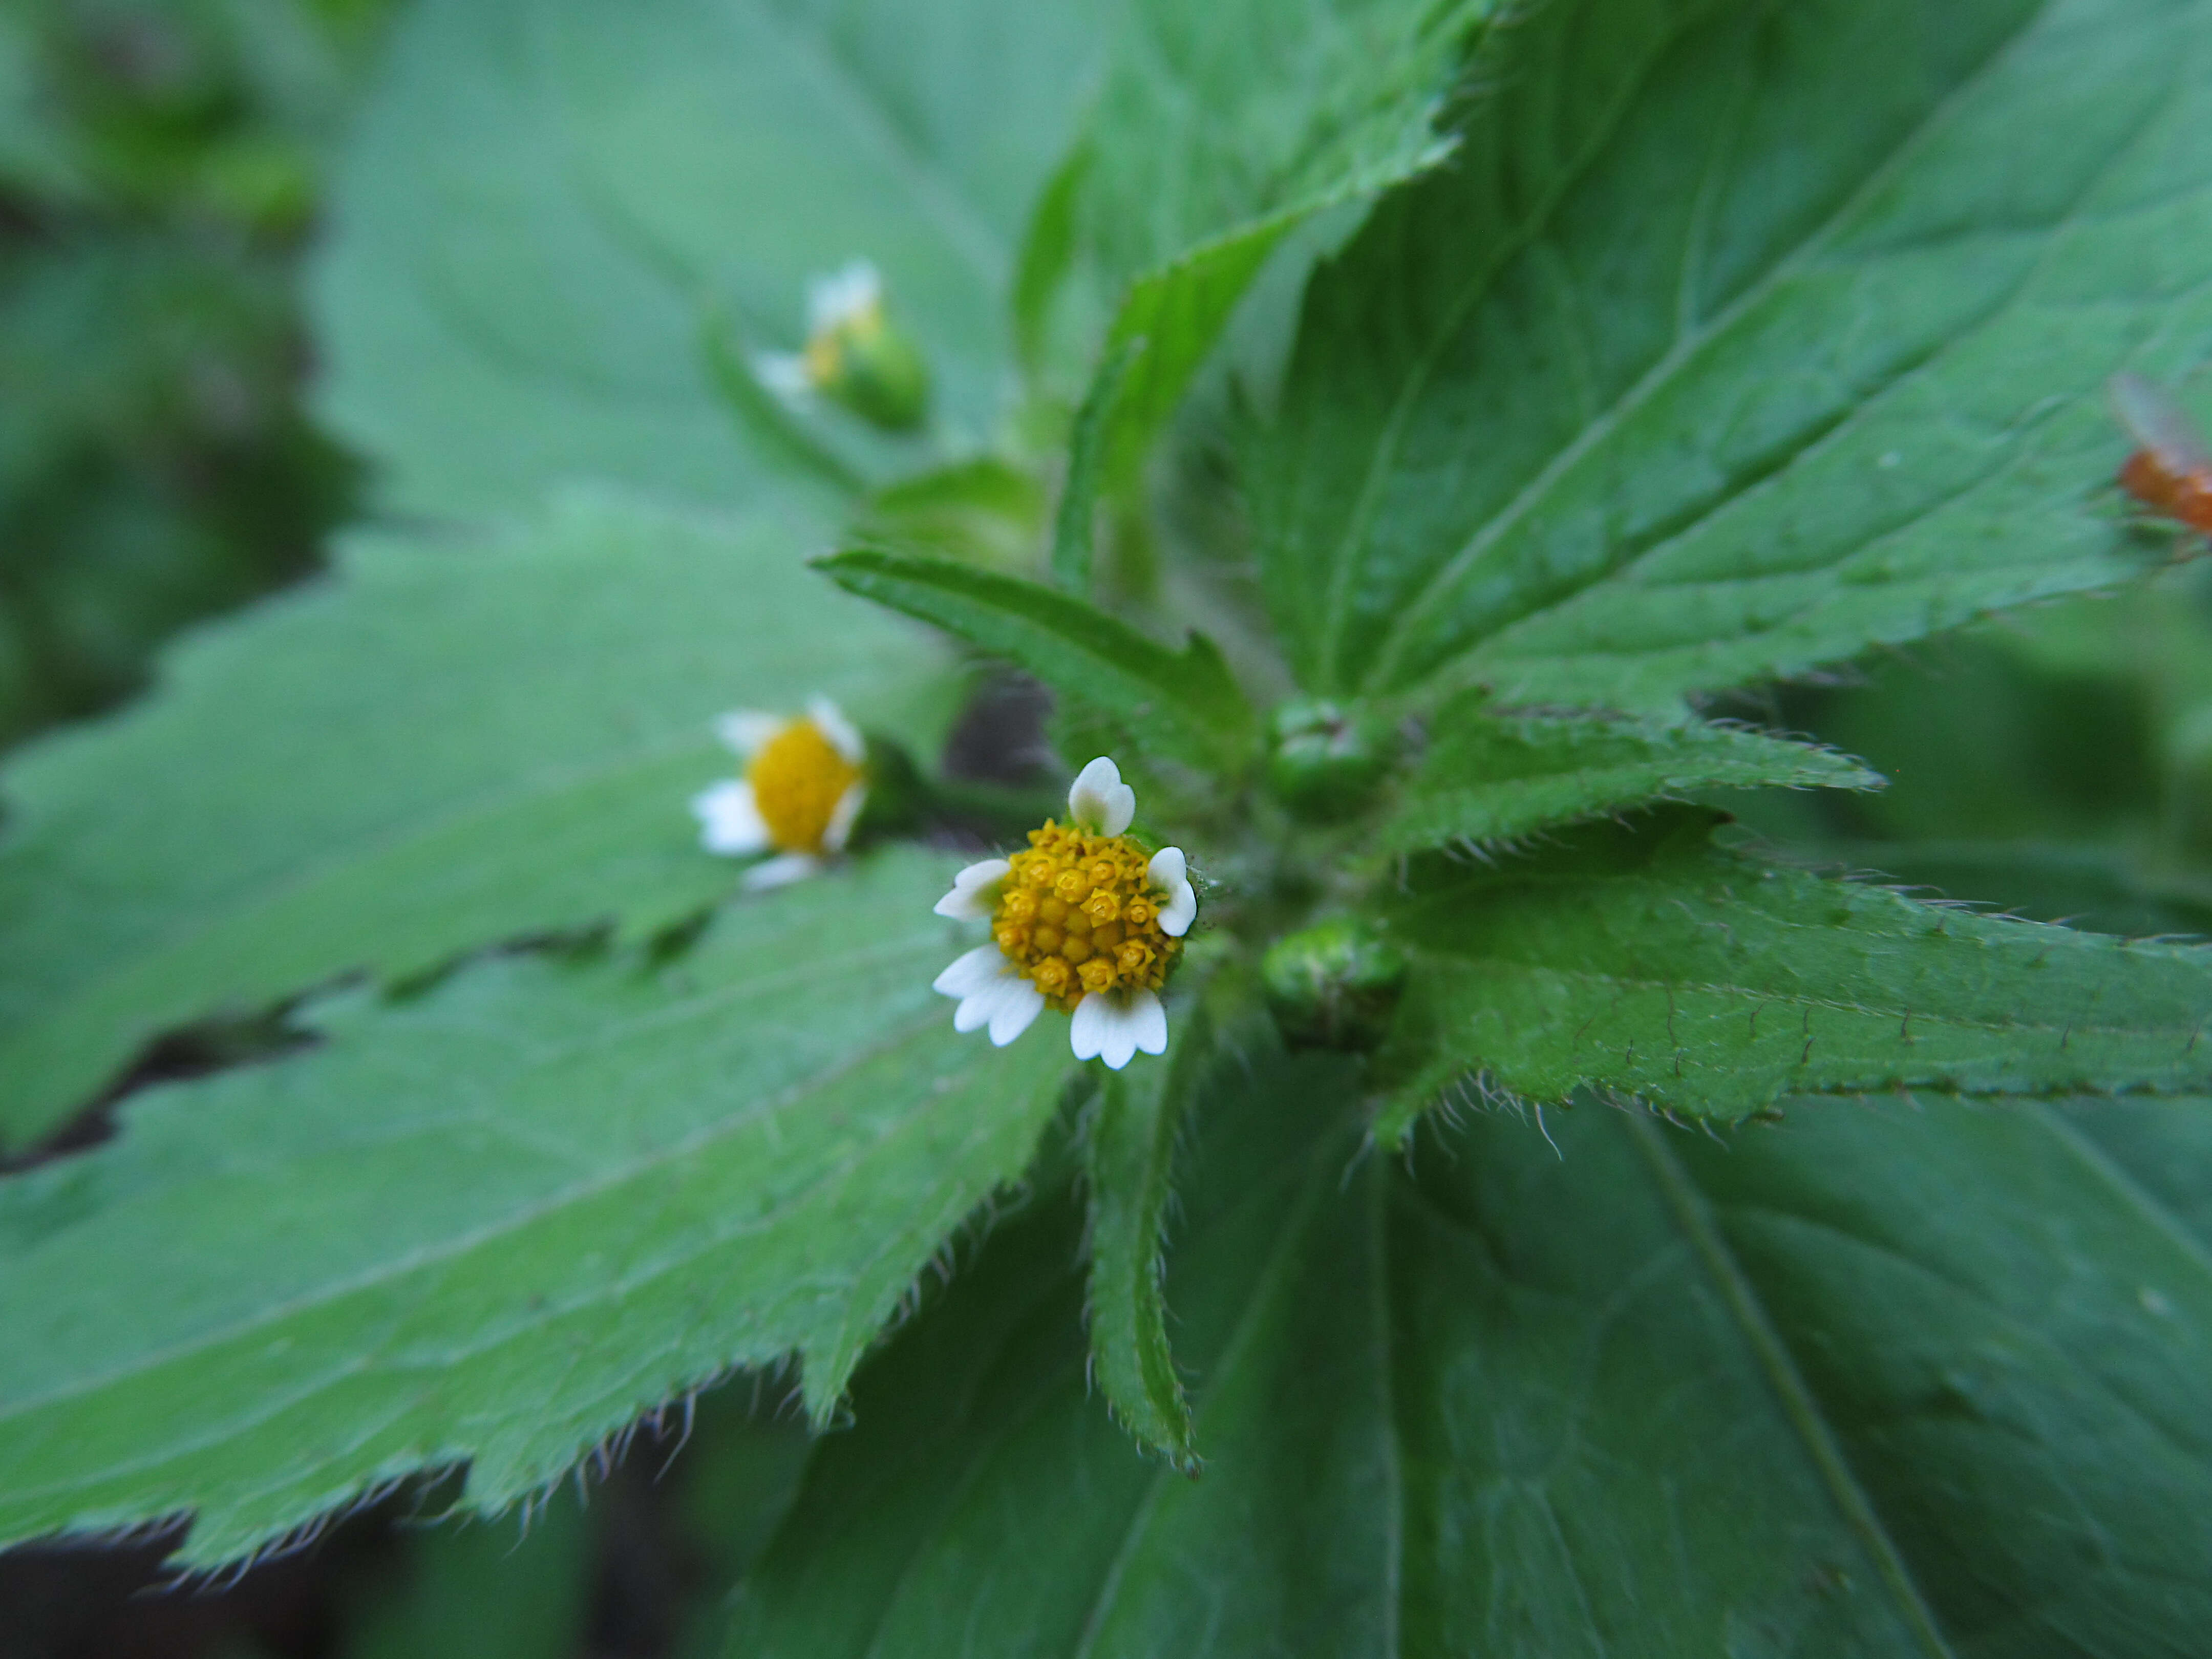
1652, 965
1527, 1400
1589, 417
1489, 777
543, 711
1186, 702
1129, 1167
493, 1225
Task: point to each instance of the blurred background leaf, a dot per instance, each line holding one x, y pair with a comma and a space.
159, 172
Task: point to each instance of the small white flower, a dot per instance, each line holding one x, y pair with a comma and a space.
1082, 921
785, 373
802, 791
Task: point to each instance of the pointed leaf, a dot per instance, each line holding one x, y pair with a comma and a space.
1488, 776
1734, 340
1874, 1381
493, 1224
1130, 1169
1073, 529
1646, 962
440, 748
1184, 702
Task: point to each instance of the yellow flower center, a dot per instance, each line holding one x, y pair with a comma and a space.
797, 778
1077, 914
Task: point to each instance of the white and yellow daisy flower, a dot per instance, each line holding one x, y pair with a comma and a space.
803, 789
1083, 921
853, 355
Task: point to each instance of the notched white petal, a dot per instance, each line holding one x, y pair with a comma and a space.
1099, 801
744, 730
1113, 1027
1018, 1006
967, 974
781, 872
844, 737
1168, 872
729, 820
975, 892
842, 817
1148, 1021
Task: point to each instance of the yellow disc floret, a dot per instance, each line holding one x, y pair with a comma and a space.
1077, 914
797, 778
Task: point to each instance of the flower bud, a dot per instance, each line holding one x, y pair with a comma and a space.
1334, 985
1324, 760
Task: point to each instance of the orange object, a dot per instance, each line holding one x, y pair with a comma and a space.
2171, 471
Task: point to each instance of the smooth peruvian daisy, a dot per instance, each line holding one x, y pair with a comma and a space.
803, 787
854, 354
1085, 920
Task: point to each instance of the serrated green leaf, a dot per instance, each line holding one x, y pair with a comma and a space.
548, 196
443, 747
1185, 703
1736, 339
1130, 1167
1871, 1382
1218, 131
1645, 961
494, 1224
1487, 777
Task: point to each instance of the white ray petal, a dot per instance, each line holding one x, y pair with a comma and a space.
967, 974
729, 820
1168, 867
1098, 799
744, 730
975, 892
1086, 1031
1180, 910
1148, 1021
781, 872
1018, 1006
975, 1012
844, 737
842, 817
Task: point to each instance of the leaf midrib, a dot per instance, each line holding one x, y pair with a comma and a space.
1342, 585
1787, 263
1692, 1216
515, 1221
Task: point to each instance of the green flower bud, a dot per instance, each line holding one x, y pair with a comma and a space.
855, 355
1334, 985
1324, 760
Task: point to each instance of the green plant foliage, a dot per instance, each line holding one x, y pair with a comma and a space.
1880, 1381
546, 199
493, 1225
1488, 776
1646, 963
1737, 343
1130, 1170
1173, 210
1185, 703
544, 712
